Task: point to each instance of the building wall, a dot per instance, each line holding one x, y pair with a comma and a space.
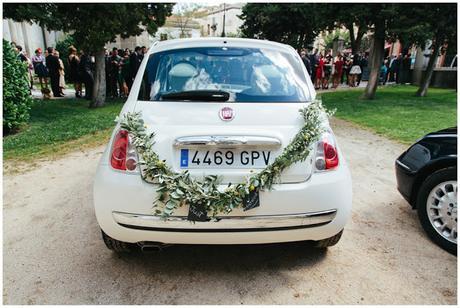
30, 35
232, 22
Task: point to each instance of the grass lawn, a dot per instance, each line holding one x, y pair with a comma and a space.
396, 112
60, 126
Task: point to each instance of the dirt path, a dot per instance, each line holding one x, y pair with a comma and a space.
53, 253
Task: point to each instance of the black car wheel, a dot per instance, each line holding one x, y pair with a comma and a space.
437, 208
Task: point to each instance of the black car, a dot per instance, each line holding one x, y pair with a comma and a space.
427, 178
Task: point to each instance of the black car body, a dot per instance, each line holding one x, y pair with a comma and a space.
433, 152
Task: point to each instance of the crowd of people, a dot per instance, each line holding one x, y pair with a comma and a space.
325, 69
396, 69
121, 68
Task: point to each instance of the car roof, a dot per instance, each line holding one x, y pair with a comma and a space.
218, 42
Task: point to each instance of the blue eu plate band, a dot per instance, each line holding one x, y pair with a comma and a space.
184, 158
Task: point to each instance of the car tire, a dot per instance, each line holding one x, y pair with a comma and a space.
327, 242
423, 199
115, 245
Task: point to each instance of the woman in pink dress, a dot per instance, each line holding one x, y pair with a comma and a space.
319, 72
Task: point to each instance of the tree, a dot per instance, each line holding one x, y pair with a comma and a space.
440, 26
353, 16
16, 93
93, 26
181, 20
387, 22
298, 24
294, 23
411, 24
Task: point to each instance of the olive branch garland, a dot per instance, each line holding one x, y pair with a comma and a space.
180, 189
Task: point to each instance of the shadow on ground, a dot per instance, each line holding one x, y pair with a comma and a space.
223, 258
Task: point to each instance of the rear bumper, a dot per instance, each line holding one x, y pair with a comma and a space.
222, 224
313, 210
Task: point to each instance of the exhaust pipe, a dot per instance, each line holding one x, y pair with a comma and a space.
151, 247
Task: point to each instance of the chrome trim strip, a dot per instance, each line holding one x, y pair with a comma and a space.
441, 136
403, 165
226, 141
226, 222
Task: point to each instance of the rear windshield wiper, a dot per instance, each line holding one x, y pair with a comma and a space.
197, 95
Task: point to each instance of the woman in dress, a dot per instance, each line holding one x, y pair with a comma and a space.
74, 76
61, 73
327, 71
354, 71
38, 62
319, 75
338, 69
125, 74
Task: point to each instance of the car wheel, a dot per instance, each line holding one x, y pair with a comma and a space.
437, 208
115, 245
331, 241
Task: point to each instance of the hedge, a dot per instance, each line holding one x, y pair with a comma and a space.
16, 93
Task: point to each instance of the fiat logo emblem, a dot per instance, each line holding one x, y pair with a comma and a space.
226, 114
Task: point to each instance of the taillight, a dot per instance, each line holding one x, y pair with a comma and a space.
123, 155
326, 153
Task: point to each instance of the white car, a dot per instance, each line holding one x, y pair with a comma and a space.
230, 136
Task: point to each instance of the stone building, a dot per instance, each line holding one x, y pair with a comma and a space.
212, 20
30, 35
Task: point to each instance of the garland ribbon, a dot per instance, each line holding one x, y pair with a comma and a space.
204, 196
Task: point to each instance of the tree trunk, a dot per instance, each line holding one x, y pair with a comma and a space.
426, 79
375, 61
355, 41
351, 30
99, 81
358, 39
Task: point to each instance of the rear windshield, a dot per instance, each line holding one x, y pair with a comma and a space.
246, 74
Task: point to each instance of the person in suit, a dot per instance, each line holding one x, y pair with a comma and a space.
52, 63
114, 72
84, 68
313, 63
135, 60
143, 52
306, 61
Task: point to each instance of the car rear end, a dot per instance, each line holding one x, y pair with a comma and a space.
231, 136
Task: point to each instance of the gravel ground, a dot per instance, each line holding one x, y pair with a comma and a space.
53, 252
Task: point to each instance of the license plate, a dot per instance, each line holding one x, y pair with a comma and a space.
224, 158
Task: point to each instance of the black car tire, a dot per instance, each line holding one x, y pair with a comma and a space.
442, 175
327, 242
115, 245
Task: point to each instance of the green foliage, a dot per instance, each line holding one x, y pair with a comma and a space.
336, 34
294, 23
426, 21
63, 48
178, 189
58, 126
348, 15
16, 93
396, 112
93, 24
